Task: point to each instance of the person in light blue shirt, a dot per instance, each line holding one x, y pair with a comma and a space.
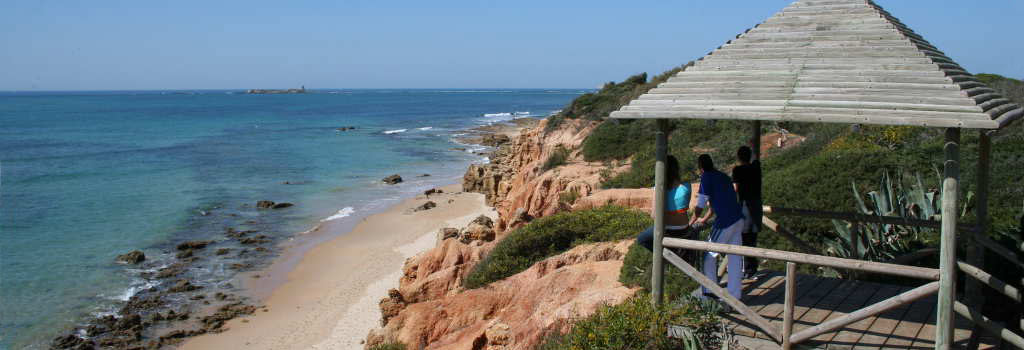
716, 193
677, 205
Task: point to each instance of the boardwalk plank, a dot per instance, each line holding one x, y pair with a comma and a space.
872, 333
846, 337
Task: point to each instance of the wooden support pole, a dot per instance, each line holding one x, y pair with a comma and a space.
975, 251
755, 139
821, 260
723, 294
787, 312
996, 328
660, 155
875, 309
947, 247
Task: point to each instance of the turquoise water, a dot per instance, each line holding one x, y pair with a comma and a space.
87, 176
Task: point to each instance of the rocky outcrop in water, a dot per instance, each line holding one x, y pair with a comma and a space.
392, 179
131, 258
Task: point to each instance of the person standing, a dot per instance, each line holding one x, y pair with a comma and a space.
746, 179
717, 194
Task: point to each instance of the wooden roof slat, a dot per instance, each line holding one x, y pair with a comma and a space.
921, 99
841, 61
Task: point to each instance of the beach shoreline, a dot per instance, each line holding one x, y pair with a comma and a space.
325, 293
329, 299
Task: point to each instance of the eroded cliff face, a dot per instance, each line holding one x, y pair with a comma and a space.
431, 310
514, 313
518, 187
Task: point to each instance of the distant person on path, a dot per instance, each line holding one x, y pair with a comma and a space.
677, 204
746, 179
717, 194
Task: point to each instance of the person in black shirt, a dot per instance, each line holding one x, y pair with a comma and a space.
746, 178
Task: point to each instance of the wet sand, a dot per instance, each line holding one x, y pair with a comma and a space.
329, 300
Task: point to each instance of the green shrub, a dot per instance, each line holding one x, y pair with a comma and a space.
637, 324
636, 272
557, 158
388, 346
569, 198
551, 235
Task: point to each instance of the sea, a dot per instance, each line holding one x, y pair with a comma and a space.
86, 176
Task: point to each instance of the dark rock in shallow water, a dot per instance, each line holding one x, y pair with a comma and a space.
183, 286
223, 251
433, 191
72, 341
171, 270
215, 322
133, 257
264, 204
193, 245
282, 205
184, 254
393, 179
426, 206
424, 175
139, 304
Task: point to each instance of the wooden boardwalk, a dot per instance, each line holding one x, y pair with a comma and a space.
819, 299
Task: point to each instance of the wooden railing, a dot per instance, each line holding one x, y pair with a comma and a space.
785, 335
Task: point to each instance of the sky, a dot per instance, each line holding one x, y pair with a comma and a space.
190, 44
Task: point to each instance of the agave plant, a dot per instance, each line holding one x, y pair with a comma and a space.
877, 241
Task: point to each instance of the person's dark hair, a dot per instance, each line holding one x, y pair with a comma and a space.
705, 163
672, 170
744, 154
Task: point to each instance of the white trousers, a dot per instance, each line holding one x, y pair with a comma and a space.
729, 235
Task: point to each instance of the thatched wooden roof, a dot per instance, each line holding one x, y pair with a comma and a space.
841, 61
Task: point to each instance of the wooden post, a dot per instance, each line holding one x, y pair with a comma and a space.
947, 247
755, 139
975, 251
660, 155
787, 313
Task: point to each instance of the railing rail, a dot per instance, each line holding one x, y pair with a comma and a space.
786, 336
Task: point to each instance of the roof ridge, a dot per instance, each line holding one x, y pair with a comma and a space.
845, 61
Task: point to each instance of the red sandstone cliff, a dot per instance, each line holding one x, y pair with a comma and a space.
430, 309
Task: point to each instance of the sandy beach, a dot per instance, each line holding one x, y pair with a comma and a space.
329, 300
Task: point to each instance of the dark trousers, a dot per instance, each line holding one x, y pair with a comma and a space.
750, 263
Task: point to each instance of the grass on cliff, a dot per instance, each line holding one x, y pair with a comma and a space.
637, 324
551, 235
389, 346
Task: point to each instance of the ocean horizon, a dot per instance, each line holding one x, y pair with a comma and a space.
88, 175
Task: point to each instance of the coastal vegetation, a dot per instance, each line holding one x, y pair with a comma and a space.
638, 324
551, 235
557, 158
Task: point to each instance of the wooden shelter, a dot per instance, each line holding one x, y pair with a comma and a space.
841, 61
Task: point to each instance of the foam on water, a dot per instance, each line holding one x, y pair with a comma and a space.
343, 213
396, 131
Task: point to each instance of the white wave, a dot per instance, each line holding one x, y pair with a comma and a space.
344, 212
135, 288
523, 113
425, 128
505, 114
389, 132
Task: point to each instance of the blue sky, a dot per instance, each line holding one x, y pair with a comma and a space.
187, 44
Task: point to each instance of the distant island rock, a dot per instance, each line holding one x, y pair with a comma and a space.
301, 90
